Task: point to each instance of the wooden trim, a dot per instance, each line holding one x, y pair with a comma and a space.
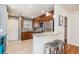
29, 19
65, 30
53, 25
65, 34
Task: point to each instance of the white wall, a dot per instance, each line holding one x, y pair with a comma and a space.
74, 25
12, 28
59, 10
3, 18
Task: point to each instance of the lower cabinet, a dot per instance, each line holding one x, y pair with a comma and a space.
26, 35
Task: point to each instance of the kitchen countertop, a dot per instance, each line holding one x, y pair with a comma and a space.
40, 39
45, 34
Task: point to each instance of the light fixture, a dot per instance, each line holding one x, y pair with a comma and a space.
53, 16
47, 13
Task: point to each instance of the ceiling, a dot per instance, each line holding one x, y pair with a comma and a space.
70, 7
29, 10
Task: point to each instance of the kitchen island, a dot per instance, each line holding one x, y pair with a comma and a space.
39, 40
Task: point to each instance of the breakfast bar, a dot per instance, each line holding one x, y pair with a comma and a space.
39, 40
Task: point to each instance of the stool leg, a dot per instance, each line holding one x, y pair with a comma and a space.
49, 50
54, 50
57, 50
44, 50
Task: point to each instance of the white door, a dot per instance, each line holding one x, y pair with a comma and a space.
12, 29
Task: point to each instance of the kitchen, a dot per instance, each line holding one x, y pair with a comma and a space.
40, 24
36, 27
27, 24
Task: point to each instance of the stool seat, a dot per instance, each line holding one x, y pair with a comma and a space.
50, 44
58, 41
56, 46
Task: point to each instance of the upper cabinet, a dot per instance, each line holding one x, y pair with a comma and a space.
44, 22
44, 18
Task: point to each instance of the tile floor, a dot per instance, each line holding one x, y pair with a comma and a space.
19, 47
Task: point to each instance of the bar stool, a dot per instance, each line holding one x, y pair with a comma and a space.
60, 46
52, 46
55, 47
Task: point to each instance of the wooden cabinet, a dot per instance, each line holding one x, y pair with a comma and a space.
26, 35
43, 18
47, 22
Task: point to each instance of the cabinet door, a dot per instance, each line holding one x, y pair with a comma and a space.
26, 35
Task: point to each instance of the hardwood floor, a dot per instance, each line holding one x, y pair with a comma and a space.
71, 49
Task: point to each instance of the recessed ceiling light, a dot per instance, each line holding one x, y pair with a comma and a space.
47, 13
